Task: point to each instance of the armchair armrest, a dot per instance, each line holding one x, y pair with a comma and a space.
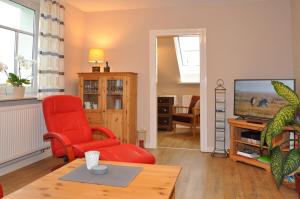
104, 131
64, 140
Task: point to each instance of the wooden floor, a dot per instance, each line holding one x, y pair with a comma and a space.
202, 177
182, 139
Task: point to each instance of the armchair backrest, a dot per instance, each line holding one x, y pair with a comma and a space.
193, 102
64, 115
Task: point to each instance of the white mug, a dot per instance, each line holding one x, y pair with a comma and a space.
91, 159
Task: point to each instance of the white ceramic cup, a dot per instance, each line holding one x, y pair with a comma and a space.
91, 159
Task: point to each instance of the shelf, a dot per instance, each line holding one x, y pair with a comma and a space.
251, 161
285, 149
251, 144
114, 94
90, 93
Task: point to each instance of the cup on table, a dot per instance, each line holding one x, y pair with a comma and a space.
91, 159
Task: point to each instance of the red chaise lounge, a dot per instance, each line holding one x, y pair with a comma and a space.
71, 134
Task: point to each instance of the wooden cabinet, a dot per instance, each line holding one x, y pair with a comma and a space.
237, 127
164, 113
109, 100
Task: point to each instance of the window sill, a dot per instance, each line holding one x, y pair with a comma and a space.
11, 98
9, 101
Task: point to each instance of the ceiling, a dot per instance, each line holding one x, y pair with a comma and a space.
110, 5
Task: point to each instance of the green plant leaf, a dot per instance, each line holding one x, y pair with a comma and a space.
262, 137
286, 92
283, 117
297, 116
291, 162
25, 81
277, 165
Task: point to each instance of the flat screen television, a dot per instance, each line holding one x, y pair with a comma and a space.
257, 99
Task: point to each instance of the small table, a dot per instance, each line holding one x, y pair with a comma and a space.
154, 181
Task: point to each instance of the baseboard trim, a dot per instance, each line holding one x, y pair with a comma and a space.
207, 150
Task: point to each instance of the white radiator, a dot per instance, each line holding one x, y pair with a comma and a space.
21, 131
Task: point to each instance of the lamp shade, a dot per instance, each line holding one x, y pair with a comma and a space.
96, 55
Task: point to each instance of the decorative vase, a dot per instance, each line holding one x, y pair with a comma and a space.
297, 182
18, 92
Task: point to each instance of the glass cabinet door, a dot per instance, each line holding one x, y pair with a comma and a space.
90, 94
114, 92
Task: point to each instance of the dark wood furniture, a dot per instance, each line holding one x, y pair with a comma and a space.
164, 113
187, 116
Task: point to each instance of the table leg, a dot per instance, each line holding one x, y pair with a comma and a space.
173, 194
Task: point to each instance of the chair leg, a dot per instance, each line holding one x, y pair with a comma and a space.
194, 131
174, 128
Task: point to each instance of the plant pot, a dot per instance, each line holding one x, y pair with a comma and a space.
18, 92
297, 182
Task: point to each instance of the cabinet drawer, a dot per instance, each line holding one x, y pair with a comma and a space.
165, 100
163, 120
164, 110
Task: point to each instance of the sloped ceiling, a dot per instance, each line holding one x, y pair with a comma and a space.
110, 5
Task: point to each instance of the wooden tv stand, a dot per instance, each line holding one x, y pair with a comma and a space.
236, 127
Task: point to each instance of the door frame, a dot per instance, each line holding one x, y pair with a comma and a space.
152, 143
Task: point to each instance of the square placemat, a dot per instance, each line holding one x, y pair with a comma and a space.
119, 176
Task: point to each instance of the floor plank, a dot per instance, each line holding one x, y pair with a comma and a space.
182, 139
202, 177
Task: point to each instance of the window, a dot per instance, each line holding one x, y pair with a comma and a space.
188, 58
18, 37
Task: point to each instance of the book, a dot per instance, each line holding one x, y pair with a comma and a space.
248, 153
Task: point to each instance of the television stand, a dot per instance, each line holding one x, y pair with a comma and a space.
237, 126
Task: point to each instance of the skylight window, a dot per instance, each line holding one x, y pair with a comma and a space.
188, 58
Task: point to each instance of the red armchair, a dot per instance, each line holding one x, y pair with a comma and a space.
1, 191
71, 136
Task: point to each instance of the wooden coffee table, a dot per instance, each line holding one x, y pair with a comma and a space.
154, 182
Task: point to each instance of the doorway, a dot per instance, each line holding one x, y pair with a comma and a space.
153, 84
178, 91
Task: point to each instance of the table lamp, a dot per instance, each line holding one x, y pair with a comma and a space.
96, 56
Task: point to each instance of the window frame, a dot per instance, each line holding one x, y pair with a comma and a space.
179, 56
35, 6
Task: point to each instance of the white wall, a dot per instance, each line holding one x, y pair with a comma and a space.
74, 40
295, 5
244, 40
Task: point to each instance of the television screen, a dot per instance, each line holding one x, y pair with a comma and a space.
257, 98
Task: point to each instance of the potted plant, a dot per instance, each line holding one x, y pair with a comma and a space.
16, 80
283, 164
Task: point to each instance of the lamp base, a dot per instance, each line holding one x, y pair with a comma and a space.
96, 69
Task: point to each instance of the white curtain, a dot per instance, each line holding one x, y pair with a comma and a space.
51, 48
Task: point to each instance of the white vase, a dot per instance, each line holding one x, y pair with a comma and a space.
18, 92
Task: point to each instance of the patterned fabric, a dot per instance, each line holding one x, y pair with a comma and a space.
194, 100
51, 48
